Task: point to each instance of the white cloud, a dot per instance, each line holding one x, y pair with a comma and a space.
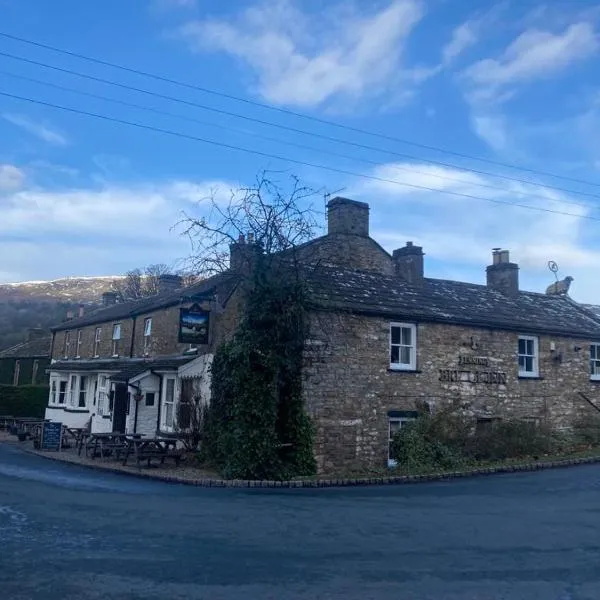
464, 36
533, 55
305, 60
90, 231
11, 178
458, 232
493, 130
42, 131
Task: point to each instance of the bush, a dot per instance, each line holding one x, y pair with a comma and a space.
449, 439
511, 439
587, 430
23, 401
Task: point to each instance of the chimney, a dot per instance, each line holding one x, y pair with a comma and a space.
168, 283
242, 254
81, 310
347, 216
35, 333
408, 262
109, 298
503, 275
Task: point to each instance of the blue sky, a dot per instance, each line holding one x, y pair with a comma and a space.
510, 82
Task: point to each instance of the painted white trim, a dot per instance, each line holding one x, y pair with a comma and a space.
536, 356
413, 347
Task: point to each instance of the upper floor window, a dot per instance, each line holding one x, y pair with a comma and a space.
595, 361
79, 340
67, 344
403, 346
147, 334
528, 356
116, 339
34, 371
97, 338
17, 372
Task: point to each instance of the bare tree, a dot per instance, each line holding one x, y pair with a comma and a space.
140, 284
274, 218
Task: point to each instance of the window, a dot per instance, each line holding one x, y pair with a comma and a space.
97, 337
150, 398
168, 402
62, 392
116, 338
17, 372
67, 345
34, 371
394, 426
147, 335
72, 384
83, 380
103, 407
595, 362
79, 338
403, 342
53, 398
528, 356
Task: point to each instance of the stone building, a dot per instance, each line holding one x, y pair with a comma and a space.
26, 363
384, 339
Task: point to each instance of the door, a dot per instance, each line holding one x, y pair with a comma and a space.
120, 407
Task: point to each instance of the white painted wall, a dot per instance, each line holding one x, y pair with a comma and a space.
147, 415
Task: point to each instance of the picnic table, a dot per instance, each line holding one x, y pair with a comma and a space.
146, 448
76, 434
102, 444
6, 421
29, 427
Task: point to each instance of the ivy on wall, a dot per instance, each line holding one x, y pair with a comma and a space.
23, 401
256, 426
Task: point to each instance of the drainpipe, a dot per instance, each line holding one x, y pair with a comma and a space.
160, 385
52, 345
134, 319
135, 414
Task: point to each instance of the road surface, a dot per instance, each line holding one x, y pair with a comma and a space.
67, 533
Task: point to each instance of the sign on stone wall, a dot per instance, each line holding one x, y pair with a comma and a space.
473, 375
193, 325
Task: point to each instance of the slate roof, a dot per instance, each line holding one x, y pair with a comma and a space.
438, 300
226, 282
123, 369
37, 348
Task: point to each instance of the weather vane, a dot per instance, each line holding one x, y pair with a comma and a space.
554, 268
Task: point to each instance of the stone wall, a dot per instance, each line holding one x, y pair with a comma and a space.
349, 387
86, 350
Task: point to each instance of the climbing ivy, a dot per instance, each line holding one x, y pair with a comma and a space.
256, 426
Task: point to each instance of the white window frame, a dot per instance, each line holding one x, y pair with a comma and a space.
116, 338
72, 389
82, 389
147, 334
17, 372
103, 391
79, 341
67, 345
393, 420
64, 393
164, 426
535, 372
53, 392
97, 338
412, 364
595, 361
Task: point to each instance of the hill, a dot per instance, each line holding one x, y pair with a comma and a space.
45, 303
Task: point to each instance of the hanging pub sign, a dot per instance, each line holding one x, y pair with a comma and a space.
193, 325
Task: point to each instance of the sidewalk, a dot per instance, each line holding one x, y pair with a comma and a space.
190, 475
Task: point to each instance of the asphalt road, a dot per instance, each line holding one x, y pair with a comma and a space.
68, 533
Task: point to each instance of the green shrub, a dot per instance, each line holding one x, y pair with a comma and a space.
511, 439
587, 430
23, 401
